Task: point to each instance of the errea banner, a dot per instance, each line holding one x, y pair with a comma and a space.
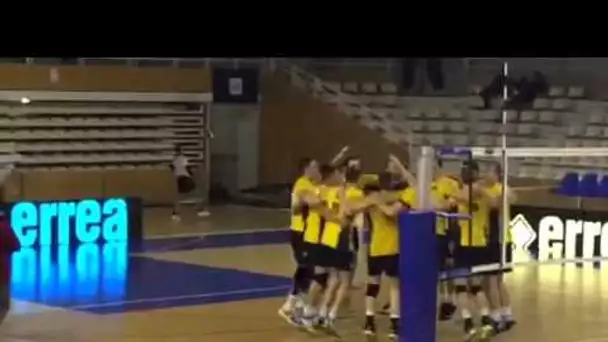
559, 234
75, 222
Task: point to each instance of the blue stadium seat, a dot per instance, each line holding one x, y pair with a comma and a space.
589, 185
570, 185
603, 188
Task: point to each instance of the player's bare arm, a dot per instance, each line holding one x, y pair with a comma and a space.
392, 209
338, 157
357, 206
404, 172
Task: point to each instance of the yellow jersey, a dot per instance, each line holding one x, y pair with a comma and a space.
496, 190
337, 235
441, 189
299, 211
384, 230
474, 232
314, 219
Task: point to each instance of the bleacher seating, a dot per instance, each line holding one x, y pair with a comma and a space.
99, 148
563, 118
100, 135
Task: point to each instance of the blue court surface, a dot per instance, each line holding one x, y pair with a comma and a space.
107, 279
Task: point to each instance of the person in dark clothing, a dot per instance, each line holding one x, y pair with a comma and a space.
8, 244
495, 89
540, 84
529, 90
434, 72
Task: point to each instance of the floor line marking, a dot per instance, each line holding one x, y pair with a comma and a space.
170, 298
213, 233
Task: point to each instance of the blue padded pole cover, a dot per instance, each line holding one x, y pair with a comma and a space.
418, 271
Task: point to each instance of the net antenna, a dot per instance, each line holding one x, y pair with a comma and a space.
505, 221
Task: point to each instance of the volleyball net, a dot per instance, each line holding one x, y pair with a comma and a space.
541, 233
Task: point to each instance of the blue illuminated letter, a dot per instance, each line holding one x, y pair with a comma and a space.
88, 217
47, 212
67, 212
24, 220
116, 220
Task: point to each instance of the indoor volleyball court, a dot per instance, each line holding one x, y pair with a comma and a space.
223, 278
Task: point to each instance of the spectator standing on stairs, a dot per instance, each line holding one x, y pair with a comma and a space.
182, 170
495, 89
434, 73
528, 91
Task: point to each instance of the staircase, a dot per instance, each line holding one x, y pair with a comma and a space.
351, 106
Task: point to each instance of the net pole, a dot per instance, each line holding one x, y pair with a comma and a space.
425, 174
417, 241
504, 226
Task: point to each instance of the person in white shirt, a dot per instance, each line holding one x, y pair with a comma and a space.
182, 170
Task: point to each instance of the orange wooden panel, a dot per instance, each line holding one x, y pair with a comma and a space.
153, 186
104, 78
294, 125
58, 185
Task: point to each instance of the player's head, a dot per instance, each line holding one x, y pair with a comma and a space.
351, 174
353, 163
386, 181
494, 174
178, 149
309, 167
469, 171
331, 175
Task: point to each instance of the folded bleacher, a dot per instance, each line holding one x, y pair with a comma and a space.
99, 148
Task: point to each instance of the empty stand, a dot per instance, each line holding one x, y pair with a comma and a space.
564, 118
100, 144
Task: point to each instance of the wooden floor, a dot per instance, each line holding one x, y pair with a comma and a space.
227, 287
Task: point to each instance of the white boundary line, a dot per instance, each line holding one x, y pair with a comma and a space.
193, 296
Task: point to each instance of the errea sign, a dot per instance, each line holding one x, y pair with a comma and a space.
560, 235
559, 238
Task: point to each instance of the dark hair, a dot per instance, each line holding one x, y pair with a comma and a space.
326, 171
496, 168
385, 181
469, 171
352, 174
303, 164
439, 162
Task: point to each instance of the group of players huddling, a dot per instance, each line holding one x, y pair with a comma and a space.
334, 204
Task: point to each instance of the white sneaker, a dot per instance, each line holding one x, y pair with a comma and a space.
203, 213
176, 218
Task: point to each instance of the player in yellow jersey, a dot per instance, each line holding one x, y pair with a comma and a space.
496, 289
444, 188
303, 195
338, 247
474, 199
352, 176
383, 252
332, 247
305, 191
